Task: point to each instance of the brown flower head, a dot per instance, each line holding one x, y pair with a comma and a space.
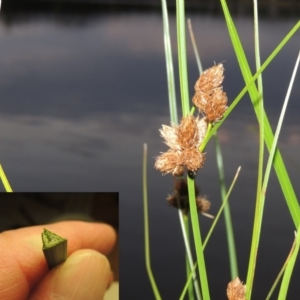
183, 141
236, 290
210, 80
209, 97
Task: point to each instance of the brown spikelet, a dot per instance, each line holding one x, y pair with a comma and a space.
209, 97
169, 162
203, 204
210, 80
187, 132
193, 159
170, 136
217, 107
236, 290
201, 100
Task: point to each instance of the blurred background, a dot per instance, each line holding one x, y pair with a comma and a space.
83, 86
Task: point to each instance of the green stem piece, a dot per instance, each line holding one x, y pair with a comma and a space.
54, 248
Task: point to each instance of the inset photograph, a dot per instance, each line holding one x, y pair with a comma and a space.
61, 245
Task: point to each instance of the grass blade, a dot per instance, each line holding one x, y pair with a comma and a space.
198, 240
189, 258
247, 86
188, 282
146, 228
278, 163
210, 231
260, 203
174, 120
289, 268
169, 64
182, 60
5, 180
227, 215
260, 104
221, 208
196, 52
228, 222
281, 271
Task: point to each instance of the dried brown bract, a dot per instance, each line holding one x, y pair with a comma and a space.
203, 204
180, 195
180, 198
209, 97
236, 290
184, 141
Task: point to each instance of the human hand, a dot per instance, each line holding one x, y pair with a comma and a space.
84, 275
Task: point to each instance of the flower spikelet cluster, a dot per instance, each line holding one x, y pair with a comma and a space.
209, 97
183, 141
236, 290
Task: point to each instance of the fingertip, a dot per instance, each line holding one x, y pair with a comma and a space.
112, 237
85, 275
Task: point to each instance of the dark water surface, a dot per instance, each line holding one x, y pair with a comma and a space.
81, 94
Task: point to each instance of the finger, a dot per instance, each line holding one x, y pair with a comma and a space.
22, 263
85, 275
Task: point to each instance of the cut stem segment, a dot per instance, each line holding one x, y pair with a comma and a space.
54, 248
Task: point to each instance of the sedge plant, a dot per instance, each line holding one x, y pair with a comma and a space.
187, 142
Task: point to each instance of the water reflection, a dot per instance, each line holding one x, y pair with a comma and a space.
78, 102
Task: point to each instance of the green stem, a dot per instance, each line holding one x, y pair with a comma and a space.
146, 228
182, 61
227, 214
189, 259
198, 240
261, 200
169, 64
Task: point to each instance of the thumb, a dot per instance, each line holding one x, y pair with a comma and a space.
84, 275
